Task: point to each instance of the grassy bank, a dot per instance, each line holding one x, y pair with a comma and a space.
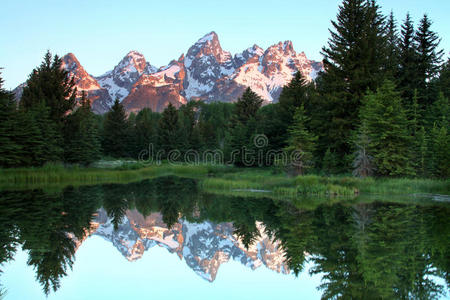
222, 180
58, 175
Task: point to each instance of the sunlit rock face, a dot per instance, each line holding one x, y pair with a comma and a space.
203, 246
207, 72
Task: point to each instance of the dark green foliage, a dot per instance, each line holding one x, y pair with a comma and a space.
440, 155
10, 150
243, 128
115, 132
329, 162
392, 51
51, 85
81, 137
407, 74
301, 141
168, 130
353, 62
429, 60
145, 130
386, 124
443, 83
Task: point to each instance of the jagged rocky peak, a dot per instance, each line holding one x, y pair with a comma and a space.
70, 62
83, 80
208, 46
242, 58
132, 62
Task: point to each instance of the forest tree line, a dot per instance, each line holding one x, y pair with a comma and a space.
380, 108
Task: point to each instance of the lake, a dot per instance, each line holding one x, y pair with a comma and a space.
163, 238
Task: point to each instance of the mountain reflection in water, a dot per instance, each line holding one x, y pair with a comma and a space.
363, 250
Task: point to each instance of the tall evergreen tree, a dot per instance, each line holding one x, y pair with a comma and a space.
443, 83
9, 148
386, 124
301, 141
145, 130
243, 126
392, 52
440, 152
81, 137
407, 73
293, 95
353, 62
51, 85
429, 60
168, 129
115, 131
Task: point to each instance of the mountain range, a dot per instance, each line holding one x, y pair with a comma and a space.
205, 73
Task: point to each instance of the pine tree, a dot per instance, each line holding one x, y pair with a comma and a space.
146, 131
300, 141
81, 137
115, 131
429, 60
443, 83
329, 162
421, 148
243, 126
168, 129
246, 107
440, 152
51, 85
9, 149
293, 95
418, 137
363, 161
392, 52
386, 124
51, 137
353, 62
407, 74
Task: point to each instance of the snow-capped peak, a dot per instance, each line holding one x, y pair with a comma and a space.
208, 37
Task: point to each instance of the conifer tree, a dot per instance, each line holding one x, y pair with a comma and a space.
408, 57
443, 83
354, 61
363, 161
440, 152
146, 130
429, 60
293, 95
329, 162
392, 52
168, 129
387, 129
301, 141
81, 137
243, 125
9, 149
52, 86
115, 131
421, 148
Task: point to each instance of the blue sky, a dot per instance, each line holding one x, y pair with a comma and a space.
101, 32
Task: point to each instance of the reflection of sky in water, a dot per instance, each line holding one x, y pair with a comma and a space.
101, 272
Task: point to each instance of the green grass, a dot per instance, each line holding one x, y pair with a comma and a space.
60, 176
262, 182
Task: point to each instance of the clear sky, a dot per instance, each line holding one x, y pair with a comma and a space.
101, 32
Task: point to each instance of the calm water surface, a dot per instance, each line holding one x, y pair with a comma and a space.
163, 238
